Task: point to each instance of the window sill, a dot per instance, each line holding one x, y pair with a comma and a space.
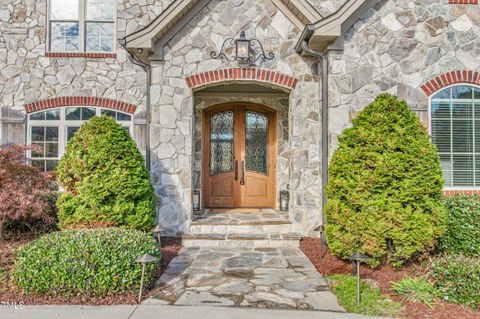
104, 55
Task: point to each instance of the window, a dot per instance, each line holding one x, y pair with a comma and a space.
50, 130
455, 129
82, 25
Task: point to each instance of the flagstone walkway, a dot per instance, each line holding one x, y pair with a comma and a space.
280, 278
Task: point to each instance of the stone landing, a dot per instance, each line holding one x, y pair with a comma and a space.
242, 228
281, 278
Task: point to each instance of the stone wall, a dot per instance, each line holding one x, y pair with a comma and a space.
396, 47
173, 106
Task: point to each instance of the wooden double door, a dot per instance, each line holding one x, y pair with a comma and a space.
239, 156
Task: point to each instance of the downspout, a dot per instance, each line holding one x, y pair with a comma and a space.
324, 112
148, 71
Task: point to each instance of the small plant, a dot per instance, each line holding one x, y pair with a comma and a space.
24, 190
458, 279
105, 179
416, 289
372, 302
385, 187
462, 234
83, 262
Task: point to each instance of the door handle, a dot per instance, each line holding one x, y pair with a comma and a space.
236, 169
242, 179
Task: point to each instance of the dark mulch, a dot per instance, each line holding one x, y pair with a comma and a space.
10, 293
382, 277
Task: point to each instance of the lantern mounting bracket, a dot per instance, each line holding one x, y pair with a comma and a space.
245, 50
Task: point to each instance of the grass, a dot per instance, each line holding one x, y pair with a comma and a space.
416, 289
372, 302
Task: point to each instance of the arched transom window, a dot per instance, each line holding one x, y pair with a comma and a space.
455, 129
50, 131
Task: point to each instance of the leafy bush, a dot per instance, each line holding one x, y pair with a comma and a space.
371, 303
84, 262
385, 186
104, 178
458, 279
24, 190
416, 289
462, 235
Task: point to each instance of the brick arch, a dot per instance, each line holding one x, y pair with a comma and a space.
449, 78
242, 74
63, 101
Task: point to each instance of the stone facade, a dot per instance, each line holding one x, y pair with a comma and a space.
397, 46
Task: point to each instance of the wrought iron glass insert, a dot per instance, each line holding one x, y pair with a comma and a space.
221, 142
256, 142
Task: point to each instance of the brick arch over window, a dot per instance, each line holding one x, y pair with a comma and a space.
242, 74
80, 101
449, 78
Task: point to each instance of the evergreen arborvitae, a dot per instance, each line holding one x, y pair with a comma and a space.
104, 179
385, 186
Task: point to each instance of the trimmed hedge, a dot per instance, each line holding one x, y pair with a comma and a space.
458, 279
105, 179
385, 186
97, 262
463, 225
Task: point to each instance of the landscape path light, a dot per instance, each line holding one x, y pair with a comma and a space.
157, 231
358, 257
144, 260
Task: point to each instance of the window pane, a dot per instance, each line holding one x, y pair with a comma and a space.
441, 110
441, 135
109, 113
462, 136
51, 150
64, 36
72, 114
462, 92
39, 163
462, 110
100, 36
444, 94
476, 93
64, 9
52, 115
38, 149
51, 134
37, 116
221, 142
51, 165
463, 170
38, 134
123, 117
87, 113
446, 163
71, 130
100, 9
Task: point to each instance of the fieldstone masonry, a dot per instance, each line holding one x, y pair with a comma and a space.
397, 46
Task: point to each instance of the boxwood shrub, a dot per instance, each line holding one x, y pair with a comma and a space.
458, 279
462, 234
85, 262
385, 186
105, 179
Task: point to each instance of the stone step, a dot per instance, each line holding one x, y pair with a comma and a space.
256, 240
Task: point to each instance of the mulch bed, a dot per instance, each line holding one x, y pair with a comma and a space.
382, 277
9, 293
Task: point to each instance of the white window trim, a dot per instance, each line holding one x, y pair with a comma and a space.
62, 124
82, 37
449, 188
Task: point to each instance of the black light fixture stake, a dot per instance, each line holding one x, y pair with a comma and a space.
143, 260
357, 258
246, 50
321, 230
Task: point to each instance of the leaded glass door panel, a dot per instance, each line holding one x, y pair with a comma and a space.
239, 156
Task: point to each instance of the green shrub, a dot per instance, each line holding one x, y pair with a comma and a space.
104, 178
416, 289
83, 262
372, 303
462, 235
458, 279
385, 186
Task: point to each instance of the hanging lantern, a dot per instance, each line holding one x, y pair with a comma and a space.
242, 47
196, 200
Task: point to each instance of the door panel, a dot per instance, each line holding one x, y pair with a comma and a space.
239, 157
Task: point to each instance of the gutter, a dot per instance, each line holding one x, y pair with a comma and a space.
148, 71
324, 111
